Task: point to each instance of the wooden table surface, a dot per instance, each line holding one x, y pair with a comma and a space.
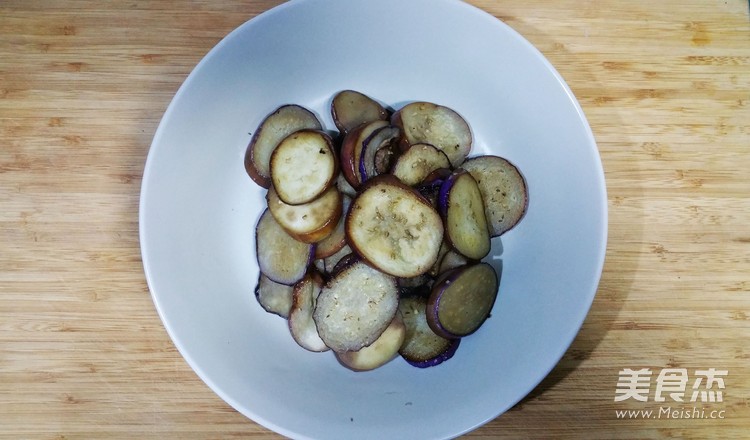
83, 84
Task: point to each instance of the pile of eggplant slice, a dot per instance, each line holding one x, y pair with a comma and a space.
373, 238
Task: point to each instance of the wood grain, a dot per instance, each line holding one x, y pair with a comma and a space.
665, 86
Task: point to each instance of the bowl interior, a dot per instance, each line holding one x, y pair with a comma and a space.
199, 209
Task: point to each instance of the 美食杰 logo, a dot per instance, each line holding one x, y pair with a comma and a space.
691, 394
707, 385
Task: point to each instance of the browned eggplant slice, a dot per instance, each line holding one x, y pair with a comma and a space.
351, 151
380, 352
440, 126
416, 163
274, 297
303, 166
280, 123
422, 347
394, 228
281, 257
301, 323
380, 141
462, 207
503, 189
461, 301
350, 109
309, 222
355, 307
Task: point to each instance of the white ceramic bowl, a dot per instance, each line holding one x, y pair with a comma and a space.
199, 208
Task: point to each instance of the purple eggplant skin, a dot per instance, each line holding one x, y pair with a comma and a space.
439, 359
430, 186
372, 143
437, 177
445, 190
